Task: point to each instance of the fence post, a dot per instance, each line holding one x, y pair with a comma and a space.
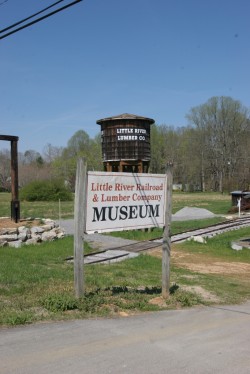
79, 223
166, 244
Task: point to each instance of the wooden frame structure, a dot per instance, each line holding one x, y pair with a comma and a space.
15, 203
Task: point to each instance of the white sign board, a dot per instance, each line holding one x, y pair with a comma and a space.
125, 201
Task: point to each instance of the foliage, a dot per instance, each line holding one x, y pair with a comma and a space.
79, 145
17, 317
59, 302
45, 191
186, 298
210, 154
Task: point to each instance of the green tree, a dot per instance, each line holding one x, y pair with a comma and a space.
164, 147
79, 145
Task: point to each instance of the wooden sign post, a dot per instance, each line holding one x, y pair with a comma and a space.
112, 201
15, 203
166, 245
79, 221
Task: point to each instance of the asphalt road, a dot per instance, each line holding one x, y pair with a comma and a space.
201, 340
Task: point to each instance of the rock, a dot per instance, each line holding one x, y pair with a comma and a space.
36, 230
24, 235
58, 230
21, 228
49, 236
60, 235
236, 246
15, 244
198, 239
49, 222
36, 237
33, 240
47, 227
8, 237
8, 231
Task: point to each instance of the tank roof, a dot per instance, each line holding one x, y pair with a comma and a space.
125, 116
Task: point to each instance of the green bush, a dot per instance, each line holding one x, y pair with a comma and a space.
59, 302
18, 317
45, 191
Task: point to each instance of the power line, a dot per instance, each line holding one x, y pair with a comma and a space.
26, 19
3, 2
39, 19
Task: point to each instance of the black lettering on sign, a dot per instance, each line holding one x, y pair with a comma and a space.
113, 213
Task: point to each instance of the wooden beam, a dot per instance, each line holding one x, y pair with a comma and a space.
9, 138
14, 170
79, 221
15, 204
166, 245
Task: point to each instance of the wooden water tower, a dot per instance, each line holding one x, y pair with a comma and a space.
126, 143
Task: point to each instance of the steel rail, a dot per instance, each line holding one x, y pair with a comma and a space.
146, 245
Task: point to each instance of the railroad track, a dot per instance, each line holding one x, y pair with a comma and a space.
213, 230
132, 250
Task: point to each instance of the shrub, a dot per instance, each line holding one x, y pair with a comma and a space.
17, 318
45, 191
59, 302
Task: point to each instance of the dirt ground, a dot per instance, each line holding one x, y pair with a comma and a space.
8, 223
199, 263
204, 264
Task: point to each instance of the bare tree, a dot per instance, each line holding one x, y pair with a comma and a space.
222, 124
51, 153
5, 178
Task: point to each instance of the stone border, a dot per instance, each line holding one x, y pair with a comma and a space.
241, 244
49, 230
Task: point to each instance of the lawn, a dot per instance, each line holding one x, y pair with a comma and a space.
37, 284
41, 209
214, 202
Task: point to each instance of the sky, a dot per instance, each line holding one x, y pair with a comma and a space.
96, 59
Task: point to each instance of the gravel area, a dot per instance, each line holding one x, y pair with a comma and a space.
100, 241
191, 213
97, 241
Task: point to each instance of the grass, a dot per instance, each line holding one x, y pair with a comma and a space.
41, 209
36, 283
219, 247
176, 227
215, 202
229, 285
